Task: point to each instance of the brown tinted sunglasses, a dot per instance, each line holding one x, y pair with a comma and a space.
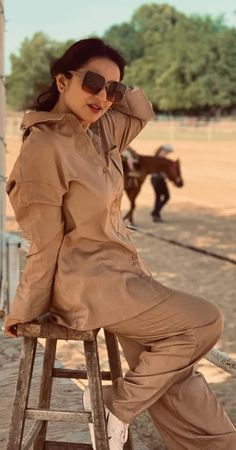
93, 83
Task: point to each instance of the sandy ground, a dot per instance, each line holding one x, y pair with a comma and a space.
203, 214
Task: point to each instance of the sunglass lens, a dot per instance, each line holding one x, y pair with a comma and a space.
115, 91
93, 82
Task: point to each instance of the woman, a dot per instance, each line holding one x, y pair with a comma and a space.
66, 188
159, 184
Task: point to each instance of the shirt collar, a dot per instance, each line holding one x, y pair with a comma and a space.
35, 117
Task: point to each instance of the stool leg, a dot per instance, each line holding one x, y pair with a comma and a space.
116, 370
46, 387
95, 384
113, 355
22, 393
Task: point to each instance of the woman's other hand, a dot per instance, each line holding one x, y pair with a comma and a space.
9, 330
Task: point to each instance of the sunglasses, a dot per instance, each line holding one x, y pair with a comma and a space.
93, 83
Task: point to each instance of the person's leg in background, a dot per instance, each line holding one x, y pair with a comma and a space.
165, 194
162, 196
157, 203
162, 378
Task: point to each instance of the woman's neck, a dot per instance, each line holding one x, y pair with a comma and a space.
60, 108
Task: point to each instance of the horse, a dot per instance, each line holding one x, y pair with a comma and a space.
147, 165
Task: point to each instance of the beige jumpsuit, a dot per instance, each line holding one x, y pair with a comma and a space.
66, 189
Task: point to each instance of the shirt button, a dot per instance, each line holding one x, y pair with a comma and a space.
105, 170
134, 257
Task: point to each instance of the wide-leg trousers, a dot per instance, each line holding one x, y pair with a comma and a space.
162, 346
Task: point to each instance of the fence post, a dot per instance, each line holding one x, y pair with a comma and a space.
3, 281
13, 266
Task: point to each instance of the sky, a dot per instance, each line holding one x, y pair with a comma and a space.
75, 19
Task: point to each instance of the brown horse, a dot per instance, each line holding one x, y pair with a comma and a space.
146, 165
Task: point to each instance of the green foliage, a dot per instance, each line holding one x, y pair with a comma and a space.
30, 70
188, 63
183, 63
124, 38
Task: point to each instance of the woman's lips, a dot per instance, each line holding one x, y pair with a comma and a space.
94, 108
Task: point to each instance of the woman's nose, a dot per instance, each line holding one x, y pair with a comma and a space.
102, 94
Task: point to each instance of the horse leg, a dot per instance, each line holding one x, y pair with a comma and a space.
127, 215
132, 211
131, 196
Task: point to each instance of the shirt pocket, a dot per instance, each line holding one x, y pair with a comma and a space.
115, 157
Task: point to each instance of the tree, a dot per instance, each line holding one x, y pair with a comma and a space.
182, 62
125, 39
30, 70
188, 63
156, 24
225, 69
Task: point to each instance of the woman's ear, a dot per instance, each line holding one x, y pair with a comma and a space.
61, 82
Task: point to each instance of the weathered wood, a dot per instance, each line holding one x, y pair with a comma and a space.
97, 404
222, 360
42, 414
52, 445
32, 435
57, 415
78, 374
113, 355
50, 330
116, 370
46, 387
22, 393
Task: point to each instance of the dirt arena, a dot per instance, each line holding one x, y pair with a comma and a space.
203, 214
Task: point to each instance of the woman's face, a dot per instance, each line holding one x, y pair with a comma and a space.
73, 98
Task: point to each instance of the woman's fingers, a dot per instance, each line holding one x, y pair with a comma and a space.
10, 331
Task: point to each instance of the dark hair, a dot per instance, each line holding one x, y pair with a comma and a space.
73, 58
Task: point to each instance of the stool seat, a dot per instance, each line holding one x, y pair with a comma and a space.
37, 436
51, 330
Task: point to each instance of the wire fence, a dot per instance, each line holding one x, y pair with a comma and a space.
170, 130
190, 129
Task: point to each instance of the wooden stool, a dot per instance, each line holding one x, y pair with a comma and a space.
41, 415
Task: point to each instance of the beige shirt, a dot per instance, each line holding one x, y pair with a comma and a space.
66, 189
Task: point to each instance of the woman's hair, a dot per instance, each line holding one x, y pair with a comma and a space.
73, 58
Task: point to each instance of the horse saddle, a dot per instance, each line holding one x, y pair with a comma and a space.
134, 174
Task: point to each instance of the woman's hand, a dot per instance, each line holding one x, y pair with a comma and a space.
9, 330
